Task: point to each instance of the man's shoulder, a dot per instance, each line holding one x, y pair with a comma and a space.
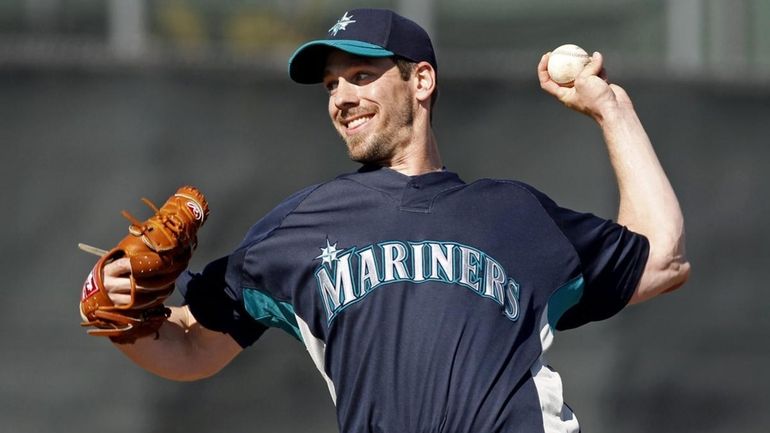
294, 200
273, 219
510, 185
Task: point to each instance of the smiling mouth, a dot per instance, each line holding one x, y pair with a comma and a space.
357, 122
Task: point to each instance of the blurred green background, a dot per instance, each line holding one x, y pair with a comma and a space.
104, 102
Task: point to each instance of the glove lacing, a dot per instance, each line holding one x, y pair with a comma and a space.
168, 221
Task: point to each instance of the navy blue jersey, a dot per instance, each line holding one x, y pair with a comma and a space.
426, 303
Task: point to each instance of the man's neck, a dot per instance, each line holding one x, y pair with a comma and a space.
420, 157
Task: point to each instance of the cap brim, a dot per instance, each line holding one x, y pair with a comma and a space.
306, 65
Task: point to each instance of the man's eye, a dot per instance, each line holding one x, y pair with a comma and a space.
362, 76
331, 86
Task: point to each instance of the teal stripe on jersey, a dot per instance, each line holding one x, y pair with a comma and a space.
270, 312
564, 298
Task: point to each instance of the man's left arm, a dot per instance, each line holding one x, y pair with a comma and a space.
648, 204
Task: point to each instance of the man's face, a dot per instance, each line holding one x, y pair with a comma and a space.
370, 105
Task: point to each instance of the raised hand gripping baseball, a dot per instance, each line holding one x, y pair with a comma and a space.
123, 295
590, 94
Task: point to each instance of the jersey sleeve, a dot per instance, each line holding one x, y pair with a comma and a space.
216, 306
223, 296
612, 261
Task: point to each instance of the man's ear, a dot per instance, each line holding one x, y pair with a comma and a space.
424, 81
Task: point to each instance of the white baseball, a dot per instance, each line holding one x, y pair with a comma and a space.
566, 62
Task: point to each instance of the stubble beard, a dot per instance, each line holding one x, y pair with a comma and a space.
380, 146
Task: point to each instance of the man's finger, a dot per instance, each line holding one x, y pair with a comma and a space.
603, 74
595, 66
546, 83
542, 66
119, 299
116, 275
117, 268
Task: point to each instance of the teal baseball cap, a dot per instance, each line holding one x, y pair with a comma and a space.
367, 33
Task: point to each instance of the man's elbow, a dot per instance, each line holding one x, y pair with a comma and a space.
663, 273
674, 264
679, 274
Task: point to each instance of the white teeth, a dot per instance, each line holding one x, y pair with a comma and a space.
358, 122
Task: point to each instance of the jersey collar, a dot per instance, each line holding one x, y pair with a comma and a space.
410, 191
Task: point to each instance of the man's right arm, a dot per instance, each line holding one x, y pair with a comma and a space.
183, 350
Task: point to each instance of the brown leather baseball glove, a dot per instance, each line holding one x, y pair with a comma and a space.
159, 249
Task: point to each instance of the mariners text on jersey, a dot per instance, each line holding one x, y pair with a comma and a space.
345, 277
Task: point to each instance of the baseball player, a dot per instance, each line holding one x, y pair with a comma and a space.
426, 302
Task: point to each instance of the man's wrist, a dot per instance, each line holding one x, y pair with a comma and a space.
614, 113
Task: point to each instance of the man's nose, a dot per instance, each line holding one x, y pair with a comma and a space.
346, 94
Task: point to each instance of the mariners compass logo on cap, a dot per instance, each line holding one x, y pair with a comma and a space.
342, 24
